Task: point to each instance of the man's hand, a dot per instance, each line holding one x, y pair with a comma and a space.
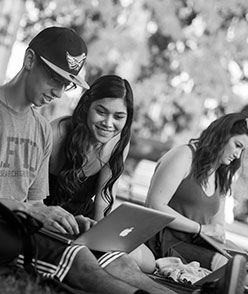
54, 218
84, 223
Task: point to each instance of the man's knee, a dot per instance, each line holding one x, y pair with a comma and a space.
84, 270
122, 264
144, 258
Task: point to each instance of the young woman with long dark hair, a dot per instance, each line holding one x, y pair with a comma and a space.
191, 182
90, 147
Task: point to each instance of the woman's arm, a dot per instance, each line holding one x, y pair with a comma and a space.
173, 167
99, 204
105, 174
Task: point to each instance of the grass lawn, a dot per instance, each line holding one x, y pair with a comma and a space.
21, 283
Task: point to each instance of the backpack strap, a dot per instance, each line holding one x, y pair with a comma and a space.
25, 226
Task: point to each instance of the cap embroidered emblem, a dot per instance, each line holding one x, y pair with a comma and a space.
246, 120
75, 62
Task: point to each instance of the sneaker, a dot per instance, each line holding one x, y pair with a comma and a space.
233, 281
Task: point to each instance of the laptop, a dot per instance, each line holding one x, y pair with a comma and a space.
228, 249
124, 229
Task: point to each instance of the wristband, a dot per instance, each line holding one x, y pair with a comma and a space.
199, 232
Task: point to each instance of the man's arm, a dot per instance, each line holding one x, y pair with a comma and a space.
13, 204
53, 218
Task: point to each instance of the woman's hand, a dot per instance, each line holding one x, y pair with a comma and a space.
216, 231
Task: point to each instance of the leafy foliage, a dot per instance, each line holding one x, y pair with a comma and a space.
186, 59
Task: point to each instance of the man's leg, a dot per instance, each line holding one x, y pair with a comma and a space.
126, 269
232, 282
144, 258
77, 267
87, 275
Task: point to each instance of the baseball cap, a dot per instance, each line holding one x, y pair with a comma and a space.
63, 50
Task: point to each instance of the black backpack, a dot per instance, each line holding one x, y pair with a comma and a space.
17, 230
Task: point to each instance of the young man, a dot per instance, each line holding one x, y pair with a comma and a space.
52, 64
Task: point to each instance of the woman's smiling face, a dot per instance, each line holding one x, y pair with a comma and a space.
106, 118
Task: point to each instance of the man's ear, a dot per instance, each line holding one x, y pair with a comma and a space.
29, 59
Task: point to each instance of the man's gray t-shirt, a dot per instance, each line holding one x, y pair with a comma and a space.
25, 147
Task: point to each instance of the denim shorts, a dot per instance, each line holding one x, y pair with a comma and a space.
186, 246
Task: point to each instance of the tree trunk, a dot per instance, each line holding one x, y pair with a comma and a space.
11, 12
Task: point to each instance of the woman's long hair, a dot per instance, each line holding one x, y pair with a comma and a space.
78, 138
210, 147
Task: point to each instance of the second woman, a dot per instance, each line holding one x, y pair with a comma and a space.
90, 147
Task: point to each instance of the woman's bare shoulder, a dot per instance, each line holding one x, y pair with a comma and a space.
177, 158
178, 153
60, 126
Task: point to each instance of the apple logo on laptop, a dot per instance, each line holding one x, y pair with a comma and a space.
125, 232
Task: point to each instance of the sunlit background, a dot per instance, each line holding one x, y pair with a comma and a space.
187, 62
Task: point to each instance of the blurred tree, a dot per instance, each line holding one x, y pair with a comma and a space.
186, 59
196, 43
11, 12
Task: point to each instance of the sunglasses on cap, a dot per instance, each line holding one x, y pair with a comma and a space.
55, 79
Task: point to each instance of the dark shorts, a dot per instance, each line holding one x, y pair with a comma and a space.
10, 245
54, 258
169, 242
